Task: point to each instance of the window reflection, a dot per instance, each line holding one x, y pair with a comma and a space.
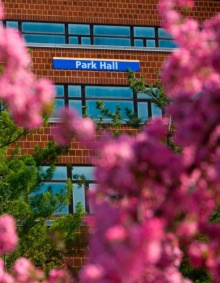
89, 34
79, 96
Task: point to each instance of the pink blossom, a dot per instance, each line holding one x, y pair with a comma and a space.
186, 3
198, 253
24, 270
71, 125
8, 236
216, 61
187, 228
115, 233
92, 273
18, 85
59, 276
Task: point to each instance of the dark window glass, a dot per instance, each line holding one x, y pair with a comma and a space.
87, 171
59, 103
54, 28
146, 96
156, 111
138, 42
143, 110
74, 90
110, 105
59, 90
144, 31
167, 44
78, 196
86, 40
79, 192
106, 35
60, 172
12, 24
44, 38
108, 92
112, 41
56, 188
73, 40
164, 34
79, 29
110, 95
77, 105
112, 30
150, 43
58, 184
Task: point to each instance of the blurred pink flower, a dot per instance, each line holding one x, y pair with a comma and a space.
8, 235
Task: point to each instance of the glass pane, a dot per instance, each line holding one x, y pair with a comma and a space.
112, 41
77, 105
146, 96
110, 105
163, 33
85, 40
112, 30
59, 103
78, 196
44, 38
12, 24
60, 172
150, 43
79, 29
144, 32
73, 40
156, 111
74, 90
59, 90
143, 110
91, 187
167, 44
87, 171
43, 28
56, 188
108, 92
138, 42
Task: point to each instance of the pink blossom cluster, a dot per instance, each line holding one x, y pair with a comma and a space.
71, 124
151, 202
8, 236
198, 56
26, 97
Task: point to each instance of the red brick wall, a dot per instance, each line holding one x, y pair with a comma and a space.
130, 12
136, 12
77, 255
150, 62
77, 153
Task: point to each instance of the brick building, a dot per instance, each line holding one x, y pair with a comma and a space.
98, 39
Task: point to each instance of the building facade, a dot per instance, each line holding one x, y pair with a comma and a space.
85, 47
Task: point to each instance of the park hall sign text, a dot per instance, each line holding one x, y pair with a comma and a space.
95, 64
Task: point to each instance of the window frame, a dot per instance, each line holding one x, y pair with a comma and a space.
67, 36
135, 99
74, 181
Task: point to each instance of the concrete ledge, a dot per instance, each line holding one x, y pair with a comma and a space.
101, 47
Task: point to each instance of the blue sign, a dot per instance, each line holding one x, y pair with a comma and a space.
95, 65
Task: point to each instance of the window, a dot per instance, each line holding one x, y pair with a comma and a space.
43, 32
93, 34
80, 190
79, 96
82, 179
